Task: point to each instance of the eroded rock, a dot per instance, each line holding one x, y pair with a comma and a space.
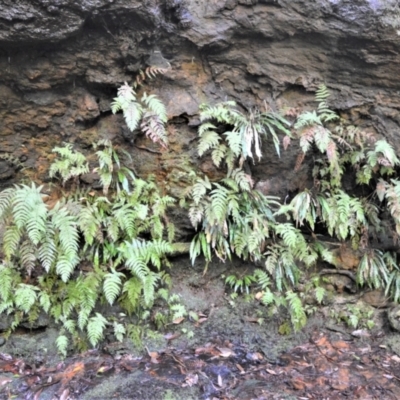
249, 51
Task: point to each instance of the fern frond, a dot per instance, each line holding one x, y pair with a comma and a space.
243, 180
132, 290
149, 286
298, 316
156, 106
95, 328
27, 255
62, 344
11, 240
66, 226
112, 285
25, 297
119, 331
47, 250
132, 113
208, 140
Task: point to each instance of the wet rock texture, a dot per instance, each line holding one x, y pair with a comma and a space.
61, 62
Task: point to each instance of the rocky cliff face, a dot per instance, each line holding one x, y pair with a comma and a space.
61, 62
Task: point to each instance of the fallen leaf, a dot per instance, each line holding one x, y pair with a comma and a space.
104, 368
178, 320
254, 356
190, 380
220, 383
153, 356
395, 358
225, 351
360, 333
340, 344
298, 384
271, 371
171, 336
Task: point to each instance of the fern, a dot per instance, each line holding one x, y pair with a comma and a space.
25, 297
246, 134
62, 344
71, 164
95, 329
119, 331
372, 270
112, 285
298, 316
149, 114
178, 311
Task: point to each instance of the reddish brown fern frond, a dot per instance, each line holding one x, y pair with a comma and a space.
154, 129
299, 161
331, 151
149, 72
286, 142
307, 137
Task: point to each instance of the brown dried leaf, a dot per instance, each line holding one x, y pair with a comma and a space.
271, 371
286, 142
171, 336
225, 352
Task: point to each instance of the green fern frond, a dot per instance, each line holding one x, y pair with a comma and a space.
149, 286
156, 106
7, 279
208, 140
11, 240
25, 297
119, 331
242, 179
200, 189
62, 344
6, 198
112, 285
67, 228
298, 316
27, 255
95, 328
131, 290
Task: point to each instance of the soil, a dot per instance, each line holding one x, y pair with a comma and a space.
234, 351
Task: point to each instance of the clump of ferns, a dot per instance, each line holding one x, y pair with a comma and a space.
69, 164
111, 169
231, 217
345, 216
147, 114
122, 236
244, 134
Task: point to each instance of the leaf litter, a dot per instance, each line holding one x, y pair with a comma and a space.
322, 368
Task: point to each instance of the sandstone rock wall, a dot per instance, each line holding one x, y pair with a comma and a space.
61, 62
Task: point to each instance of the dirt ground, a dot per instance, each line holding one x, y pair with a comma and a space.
234, 351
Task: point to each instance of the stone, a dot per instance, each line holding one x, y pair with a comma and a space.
394, 317
376, 298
